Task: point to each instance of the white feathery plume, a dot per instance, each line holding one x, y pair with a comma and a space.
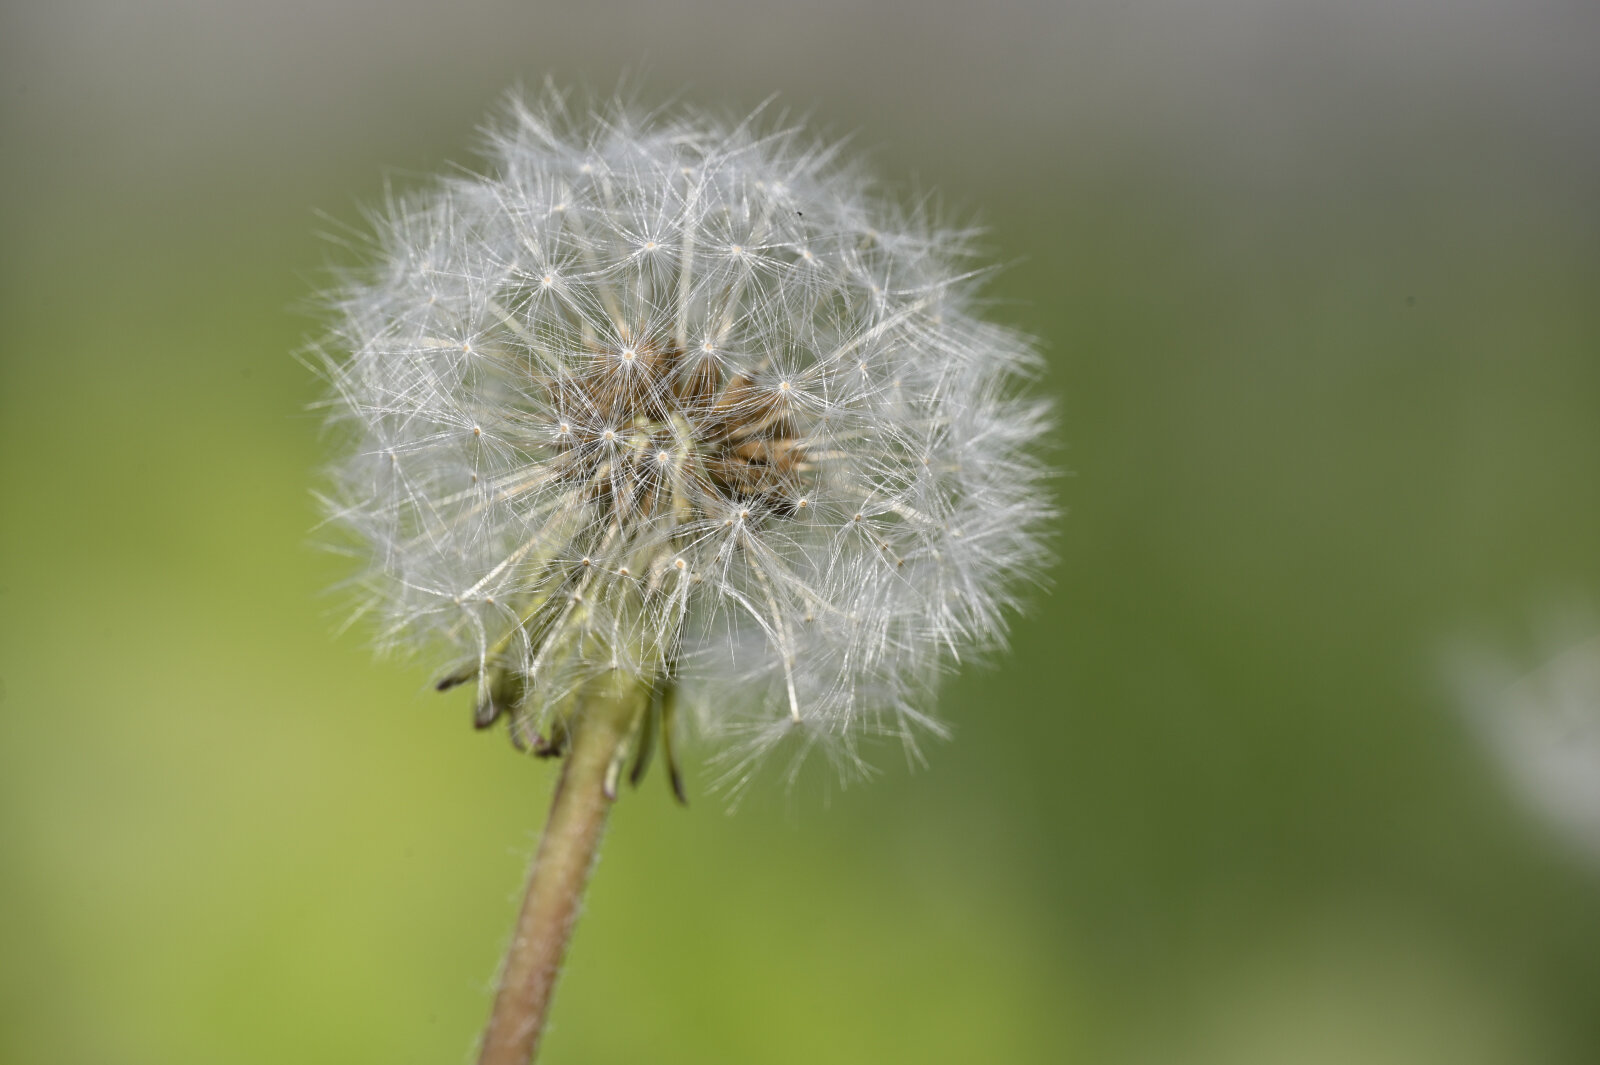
1543, 727
662, 394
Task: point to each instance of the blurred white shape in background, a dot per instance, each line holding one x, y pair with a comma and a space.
1543, 728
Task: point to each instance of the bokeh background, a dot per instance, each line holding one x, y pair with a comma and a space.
1319, 286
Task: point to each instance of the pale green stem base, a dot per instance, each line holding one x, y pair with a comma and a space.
560, 871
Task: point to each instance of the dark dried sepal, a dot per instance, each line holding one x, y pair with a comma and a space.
645, 745
668, 711
486, 713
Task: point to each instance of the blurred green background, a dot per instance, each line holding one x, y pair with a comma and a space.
1320, 291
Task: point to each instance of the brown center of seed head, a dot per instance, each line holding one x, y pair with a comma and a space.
652, 429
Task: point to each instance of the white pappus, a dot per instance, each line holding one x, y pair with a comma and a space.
684, 398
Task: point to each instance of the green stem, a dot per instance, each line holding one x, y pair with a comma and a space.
560, 871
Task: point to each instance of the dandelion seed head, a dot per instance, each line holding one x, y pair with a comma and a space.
788, 399
1542, 726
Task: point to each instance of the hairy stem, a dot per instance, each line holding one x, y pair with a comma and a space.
560, 871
